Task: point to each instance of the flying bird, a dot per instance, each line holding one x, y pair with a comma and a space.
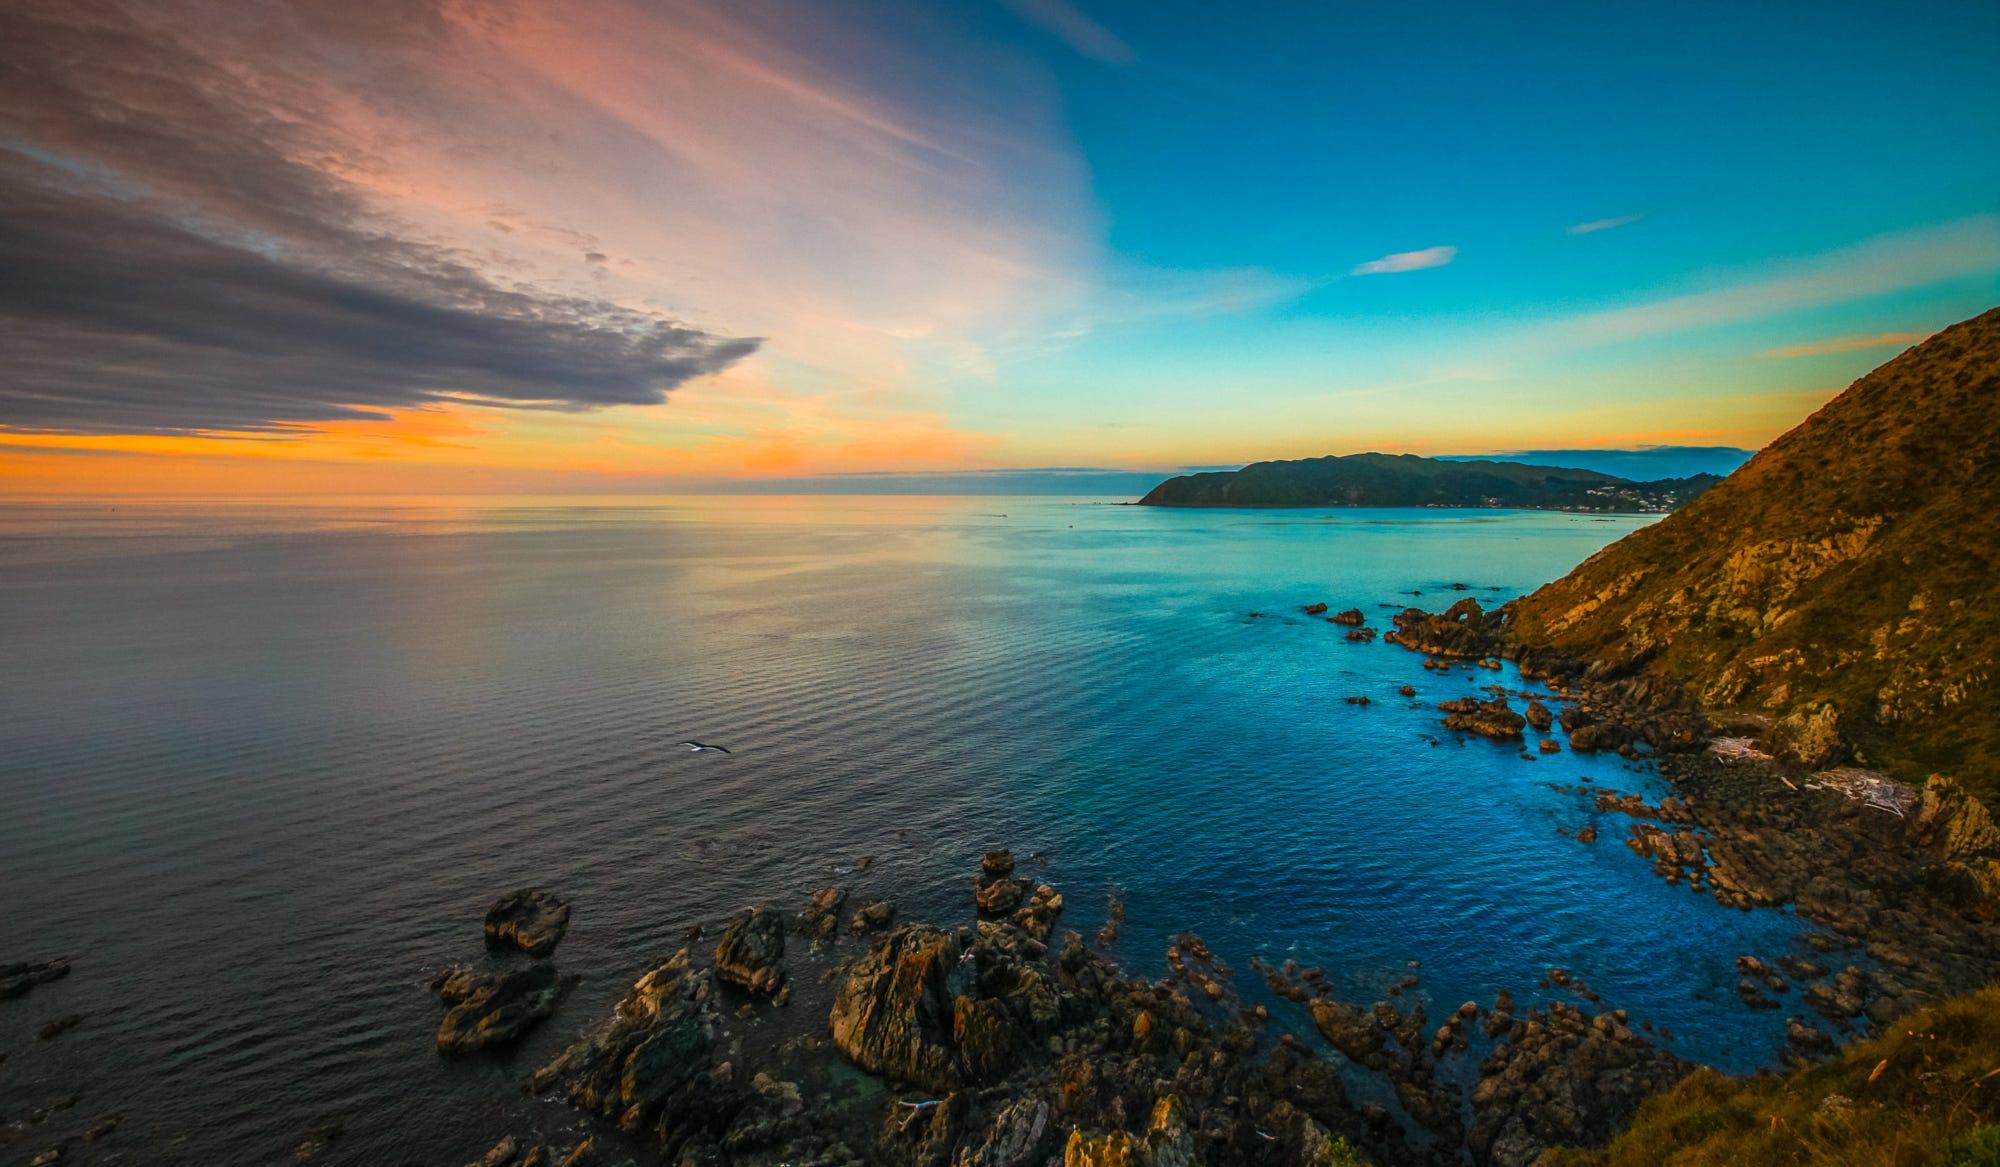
700, 747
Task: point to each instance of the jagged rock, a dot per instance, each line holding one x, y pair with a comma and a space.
893, 1013
997, 864
821, 917
751, 952
1166, 1142
17, 978
1018, 1136
1352, 618
1038, 918
1538, 715
652, 1063
529, 919
1315, 609
487, 1009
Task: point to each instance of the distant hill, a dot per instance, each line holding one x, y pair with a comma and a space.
1643, 464
1406, 480
1846, 581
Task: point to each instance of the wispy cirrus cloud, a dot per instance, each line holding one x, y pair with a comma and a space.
1595, 225
1886, 263
1403, 261
1069, 24
1846, 344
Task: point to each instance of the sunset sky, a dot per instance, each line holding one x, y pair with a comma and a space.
443, 245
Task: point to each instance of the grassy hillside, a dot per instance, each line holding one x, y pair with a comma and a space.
1399, 480
1843, 581
1924, 1094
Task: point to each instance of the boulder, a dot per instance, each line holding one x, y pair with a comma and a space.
530, 919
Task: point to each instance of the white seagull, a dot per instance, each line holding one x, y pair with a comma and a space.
701, 747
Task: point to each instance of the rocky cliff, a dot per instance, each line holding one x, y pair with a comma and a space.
1842, 583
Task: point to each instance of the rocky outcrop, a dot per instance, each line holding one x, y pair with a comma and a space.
530, 919
1463, 631
494, 1008
751, 952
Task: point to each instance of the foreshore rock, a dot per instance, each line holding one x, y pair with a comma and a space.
488, 1008
530, 919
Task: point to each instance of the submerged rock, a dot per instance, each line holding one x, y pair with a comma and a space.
17, 978
751, 952
486, 1008
530, 919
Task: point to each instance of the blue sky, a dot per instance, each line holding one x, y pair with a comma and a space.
900, 236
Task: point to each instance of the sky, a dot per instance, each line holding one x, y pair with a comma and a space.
409, 246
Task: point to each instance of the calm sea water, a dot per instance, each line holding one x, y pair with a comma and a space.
262, 768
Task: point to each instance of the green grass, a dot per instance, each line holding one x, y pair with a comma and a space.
1924, 1094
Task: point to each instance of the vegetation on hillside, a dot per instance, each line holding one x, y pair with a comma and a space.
1406, 480
1843, 582
1926, 1093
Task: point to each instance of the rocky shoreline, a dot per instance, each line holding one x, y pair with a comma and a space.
1903, 883
1002, 1040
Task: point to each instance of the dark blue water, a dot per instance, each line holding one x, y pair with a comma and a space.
263, 767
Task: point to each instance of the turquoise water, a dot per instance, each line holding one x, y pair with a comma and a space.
265, 765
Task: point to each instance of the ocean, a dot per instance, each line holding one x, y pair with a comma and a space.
263, 767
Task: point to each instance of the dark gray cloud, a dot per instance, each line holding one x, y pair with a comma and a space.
173, 258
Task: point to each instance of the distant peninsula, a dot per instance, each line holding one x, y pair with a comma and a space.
1408, 480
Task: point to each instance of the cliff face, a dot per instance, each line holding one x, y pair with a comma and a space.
1843, 581
1401, 480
